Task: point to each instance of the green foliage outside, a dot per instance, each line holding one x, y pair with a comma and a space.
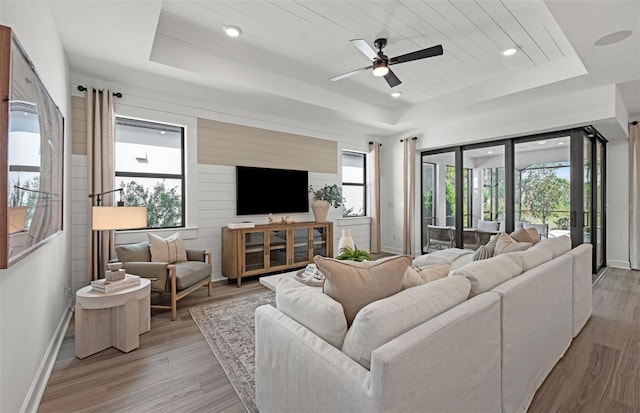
544, 195
164, 205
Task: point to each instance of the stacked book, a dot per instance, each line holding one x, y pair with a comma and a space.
236, 225
311, 271
105, 286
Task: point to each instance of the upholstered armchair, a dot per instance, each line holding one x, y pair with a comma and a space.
178, 279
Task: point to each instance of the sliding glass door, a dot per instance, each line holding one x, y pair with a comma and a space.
438, 206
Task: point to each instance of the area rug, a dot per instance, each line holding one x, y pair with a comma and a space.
228, 327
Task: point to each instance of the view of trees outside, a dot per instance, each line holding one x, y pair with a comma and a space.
450, 196
493, 195
164, 204
545, 196
428, 190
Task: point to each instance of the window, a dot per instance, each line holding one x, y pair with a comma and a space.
149, 163
354, 188
428, 193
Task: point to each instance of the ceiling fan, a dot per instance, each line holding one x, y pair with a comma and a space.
381, 63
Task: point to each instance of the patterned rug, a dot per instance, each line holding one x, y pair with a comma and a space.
228, 327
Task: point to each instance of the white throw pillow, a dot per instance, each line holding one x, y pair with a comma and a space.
168, 250
383, 320
310, 307
487, 274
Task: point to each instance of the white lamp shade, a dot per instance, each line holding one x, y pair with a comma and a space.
109, 218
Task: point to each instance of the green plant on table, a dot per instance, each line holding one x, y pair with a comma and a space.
353, 254
330, 193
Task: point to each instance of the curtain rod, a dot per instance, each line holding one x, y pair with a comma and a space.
116, 94
371, 143
415, 138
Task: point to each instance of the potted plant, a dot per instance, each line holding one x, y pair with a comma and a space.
323, 198
353, 254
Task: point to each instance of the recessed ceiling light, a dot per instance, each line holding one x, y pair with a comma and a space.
612, 38
541, 142
162, 132
560, 143
509, 52
232, 31
489, 152
396, 94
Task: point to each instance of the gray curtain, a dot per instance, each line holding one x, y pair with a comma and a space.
409, 195
374, 172
634, 195
101, 174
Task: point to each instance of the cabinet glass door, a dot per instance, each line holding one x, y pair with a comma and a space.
320, 241
301, 246
277, 248
254, 251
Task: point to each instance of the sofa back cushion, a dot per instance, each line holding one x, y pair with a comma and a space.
356, 284
505, 243
314, 310
531, 258
138, 252
557, 246
486, 274
415, 276
383, 320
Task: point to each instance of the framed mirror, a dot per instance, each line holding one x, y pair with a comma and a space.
31, 155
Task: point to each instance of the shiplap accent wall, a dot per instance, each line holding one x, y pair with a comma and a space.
221, 143
78, 126
80, 229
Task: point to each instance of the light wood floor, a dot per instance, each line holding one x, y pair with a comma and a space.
175, 371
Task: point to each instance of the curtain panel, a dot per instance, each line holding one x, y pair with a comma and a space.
634, 195
374, 172
409, 195
101, 174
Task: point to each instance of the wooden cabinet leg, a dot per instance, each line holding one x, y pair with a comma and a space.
239, 281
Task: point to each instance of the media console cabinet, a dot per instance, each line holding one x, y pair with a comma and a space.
273, 247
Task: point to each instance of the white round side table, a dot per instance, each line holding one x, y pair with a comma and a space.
113, 319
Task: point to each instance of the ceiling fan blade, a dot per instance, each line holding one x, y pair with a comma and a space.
365, 48
419, 54
353, 72
392, 79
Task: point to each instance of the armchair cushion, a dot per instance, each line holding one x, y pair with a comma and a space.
189, 273
138, 252
196, 255
149, 270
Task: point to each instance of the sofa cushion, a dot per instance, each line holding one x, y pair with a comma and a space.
313, 309
189, 273
488, 226
170, 249
461, 261
505, 243
438, 257
526, 235
415, 276
557, 246
486, 274
138, 252
356, 284
384, 320
531, 258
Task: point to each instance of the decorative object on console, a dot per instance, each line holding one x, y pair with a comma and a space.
328, 195
283, 220
346, 240
353, 254
115, 272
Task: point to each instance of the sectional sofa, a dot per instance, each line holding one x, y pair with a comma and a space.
482, 339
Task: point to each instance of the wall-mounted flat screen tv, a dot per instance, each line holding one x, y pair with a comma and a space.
271, 191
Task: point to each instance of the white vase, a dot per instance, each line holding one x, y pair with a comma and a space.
346, 240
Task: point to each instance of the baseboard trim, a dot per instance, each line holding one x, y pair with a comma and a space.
619, 264
39, 383
391, 250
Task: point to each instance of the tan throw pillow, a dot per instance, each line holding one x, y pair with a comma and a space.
314, 310
168, 250
415, 276
356, 284
506, 244
526, 235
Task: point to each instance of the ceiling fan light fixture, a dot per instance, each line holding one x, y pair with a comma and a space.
510, 51
232, 31
380, 68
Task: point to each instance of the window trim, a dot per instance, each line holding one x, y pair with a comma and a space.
356, 184
181, 176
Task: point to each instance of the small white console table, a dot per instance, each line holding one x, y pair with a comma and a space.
111, 320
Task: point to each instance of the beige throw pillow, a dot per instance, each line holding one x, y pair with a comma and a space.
314, 310
506, 244
356, 284
415, 276
168, 250
526, 235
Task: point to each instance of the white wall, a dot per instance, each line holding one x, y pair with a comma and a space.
35, 293
618, 203
210, 188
